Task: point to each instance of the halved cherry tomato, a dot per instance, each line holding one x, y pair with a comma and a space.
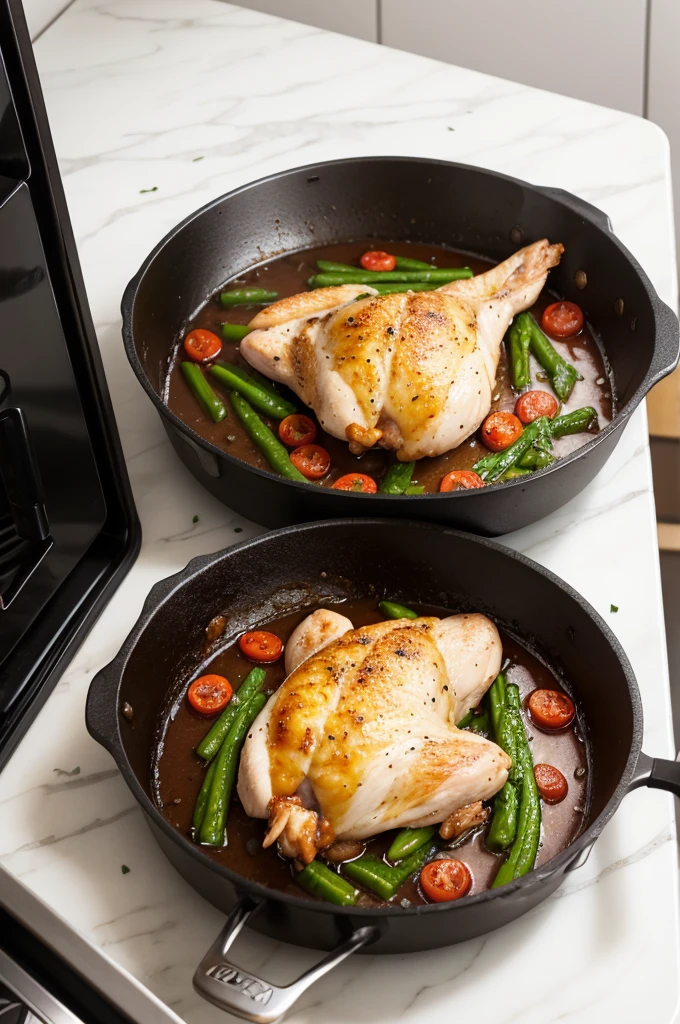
312, 460
551, 783
358, 482
500, 430
551, 709
202, 346
261, 646
209, 694
297, 429
534, 404
460, 479
376, 259
562, 319
444, 880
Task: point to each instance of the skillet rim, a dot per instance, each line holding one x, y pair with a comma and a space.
653, 375
111, 675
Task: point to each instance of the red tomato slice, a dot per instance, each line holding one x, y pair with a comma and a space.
358, 482
444, 880
534, 404
297, 430
551, 709
209, 694
202, 346
376, 259
261, 646
500, 430
460, 479
551, 783
312, 460
562, 319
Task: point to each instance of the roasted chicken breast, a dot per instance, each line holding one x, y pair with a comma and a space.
413, 371
363, 730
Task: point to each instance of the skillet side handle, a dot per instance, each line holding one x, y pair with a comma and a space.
578, 205
667, 344
232, 989
656, 773
101, 709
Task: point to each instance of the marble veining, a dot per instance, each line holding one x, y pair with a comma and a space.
192, 98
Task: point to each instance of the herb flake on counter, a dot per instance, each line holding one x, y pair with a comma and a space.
195, 519
62, 771
613, 607
124, 869
143, 190
196, 159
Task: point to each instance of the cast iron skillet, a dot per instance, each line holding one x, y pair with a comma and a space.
468, 208
407, 561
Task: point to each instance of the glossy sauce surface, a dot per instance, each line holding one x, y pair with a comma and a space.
178, 772
288, 275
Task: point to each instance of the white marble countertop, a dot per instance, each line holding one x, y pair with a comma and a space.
195, 97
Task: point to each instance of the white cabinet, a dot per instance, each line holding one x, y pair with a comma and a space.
351, 17
591, 49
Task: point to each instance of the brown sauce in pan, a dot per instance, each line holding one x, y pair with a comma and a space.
178, 772
288, 275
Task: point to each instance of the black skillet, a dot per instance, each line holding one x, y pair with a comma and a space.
466, 208
407, 561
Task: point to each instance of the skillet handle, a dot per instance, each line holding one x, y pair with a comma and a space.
578, 205
656, 773
232, 989
667, 345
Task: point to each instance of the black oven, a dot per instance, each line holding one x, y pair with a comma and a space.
68, 529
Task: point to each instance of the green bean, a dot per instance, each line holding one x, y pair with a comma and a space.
504, 820
331, 267
493, 466
465, 720
519, 341
212, 741
235, 332
523, 758
247, 297
480, 723
389, 276
573, 422
320, 881
397, 611
212, 831
203, 393
562, 374
397, 478
384, 879
522, 855
415, 489
406, 263
254, 377
202, 798
536, 458
503, 828
402, 263
408, 840
515, 472
497, 702
270, 446
240, 380
414, 286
